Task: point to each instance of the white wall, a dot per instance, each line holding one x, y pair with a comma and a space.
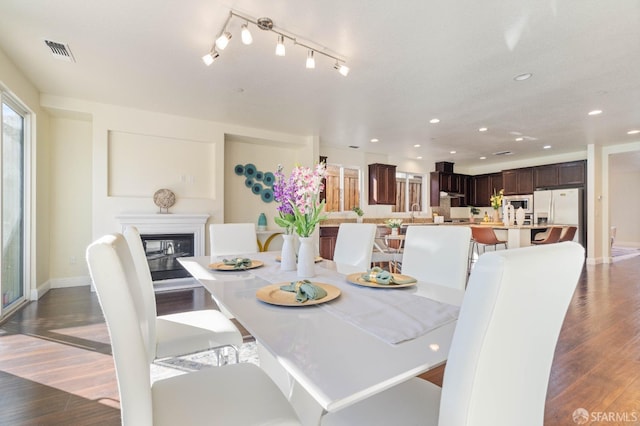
624, 196
70, 218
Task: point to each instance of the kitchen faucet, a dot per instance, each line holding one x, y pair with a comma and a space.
412, 211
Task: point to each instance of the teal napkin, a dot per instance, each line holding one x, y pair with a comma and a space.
238, 263
380, 276
305, 290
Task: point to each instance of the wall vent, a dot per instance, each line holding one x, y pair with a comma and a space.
503, 153
60, 51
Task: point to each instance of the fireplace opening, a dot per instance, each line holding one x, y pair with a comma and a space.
163, 251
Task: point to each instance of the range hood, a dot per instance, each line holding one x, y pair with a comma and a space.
444, 194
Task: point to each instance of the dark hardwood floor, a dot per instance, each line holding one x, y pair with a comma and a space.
56, 368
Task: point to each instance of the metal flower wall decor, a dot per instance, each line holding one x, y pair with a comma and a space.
260, 183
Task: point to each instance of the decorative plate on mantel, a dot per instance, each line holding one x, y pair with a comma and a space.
164, 198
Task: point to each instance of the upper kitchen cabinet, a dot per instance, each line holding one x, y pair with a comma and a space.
451, 183
518, 181
382, 184
560, 175
483, 186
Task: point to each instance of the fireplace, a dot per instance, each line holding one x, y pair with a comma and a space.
163, 251
166, 237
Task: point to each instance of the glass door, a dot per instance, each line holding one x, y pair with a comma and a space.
12, 198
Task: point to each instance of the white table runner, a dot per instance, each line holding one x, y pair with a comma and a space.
393, 316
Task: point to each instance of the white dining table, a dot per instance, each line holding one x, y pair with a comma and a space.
327, 361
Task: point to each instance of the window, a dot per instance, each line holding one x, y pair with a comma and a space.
408, 192
342, 188
13, 162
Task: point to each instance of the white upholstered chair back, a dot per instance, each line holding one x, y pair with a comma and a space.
500, 358
229, 239
354, 245
437, 254
111, 267
145, 296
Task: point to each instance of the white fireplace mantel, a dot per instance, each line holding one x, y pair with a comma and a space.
169, 223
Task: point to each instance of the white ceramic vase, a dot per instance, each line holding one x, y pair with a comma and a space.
394, 231
306, 258
520, 216
288, 255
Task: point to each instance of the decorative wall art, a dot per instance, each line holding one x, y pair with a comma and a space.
260, 183
164, 198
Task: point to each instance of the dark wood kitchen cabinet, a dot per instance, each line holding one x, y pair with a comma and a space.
572, 173
452, 183
328, 237
483, 186
518, 181
382, 184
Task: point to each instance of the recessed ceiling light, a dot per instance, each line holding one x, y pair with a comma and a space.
419, 158
633, 132
595, 112
482, 129
374, 140
523, 77
516, 133
546, 147
434, 121
417, 145
483, 158
519, 139
452, 152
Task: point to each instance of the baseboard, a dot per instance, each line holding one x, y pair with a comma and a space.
70, 282
597, 260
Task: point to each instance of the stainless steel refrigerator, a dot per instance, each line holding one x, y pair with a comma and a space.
561, 207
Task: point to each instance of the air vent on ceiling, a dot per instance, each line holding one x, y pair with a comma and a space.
60, 51
503, 153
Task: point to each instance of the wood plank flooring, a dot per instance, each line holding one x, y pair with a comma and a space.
56, 368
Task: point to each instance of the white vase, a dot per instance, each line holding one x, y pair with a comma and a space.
288, 254
306, 258
394, 231
520, 216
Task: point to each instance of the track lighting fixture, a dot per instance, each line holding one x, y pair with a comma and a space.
342, 68
311, 63
266, 24
210, 57
246, 34
223, 40
280, 50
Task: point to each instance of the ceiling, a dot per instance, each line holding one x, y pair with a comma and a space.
410, 62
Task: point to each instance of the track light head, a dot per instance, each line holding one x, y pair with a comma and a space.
246, 34
311, 62
223, 40
210, 57
280, 49
342, 68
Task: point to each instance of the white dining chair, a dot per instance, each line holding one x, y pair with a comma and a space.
354, 246
180, 333
437, 254
502, 350
230, 239
235, 394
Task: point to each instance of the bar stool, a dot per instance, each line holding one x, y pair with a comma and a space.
552, 238
487, 237
569, 234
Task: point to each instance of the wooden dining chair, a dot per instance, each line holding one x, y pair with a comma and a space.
235, 394
180, 333
568, 234
497, 371
552, 237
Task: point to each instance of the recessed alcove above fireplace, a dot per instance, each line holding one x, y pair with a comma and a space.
167, 237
